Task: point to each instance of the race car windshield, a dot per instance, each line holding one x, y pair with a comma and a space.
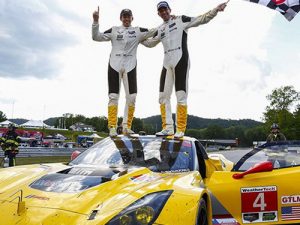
158, 154
282, 155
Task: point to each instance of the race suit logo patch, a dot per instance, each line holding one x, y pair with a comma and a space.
120, 37
259, 204
172, 25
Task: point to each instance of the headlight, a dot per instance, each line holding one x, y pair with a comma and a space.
143, 211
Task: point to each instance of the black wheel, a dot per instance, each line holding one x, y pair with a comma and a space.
202, 213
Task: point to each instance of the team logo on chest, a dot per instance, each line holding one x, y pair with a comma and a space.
131, 34
120, 35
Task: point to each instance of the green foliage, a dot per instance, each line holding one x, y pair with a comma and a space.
195, 133
2, 116
283, 98
279, 111
214, 132
38, 160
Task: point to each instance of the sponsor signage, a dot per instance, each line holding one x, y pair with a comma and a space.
292, 199
259, 204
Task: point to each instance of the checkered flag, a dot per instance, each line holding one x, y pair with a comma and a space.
288, 8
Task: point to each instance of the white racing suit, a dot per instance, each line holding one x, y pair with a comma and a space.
173, 35
122, 66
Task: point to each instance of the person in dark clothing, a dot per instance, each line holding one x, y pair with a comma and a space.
275, 134
10, 144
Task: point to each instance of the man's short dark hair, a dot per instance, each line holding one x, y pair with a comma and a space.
126, 12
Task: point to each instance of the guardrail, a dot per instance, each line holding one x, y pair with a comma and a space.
44, 152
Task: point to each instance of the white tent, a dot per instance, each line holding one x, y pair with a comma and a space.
6, 123
95, 136
35, 124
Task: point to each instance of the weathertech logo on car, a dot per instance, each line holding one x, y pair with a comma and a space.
290, 199
259, 189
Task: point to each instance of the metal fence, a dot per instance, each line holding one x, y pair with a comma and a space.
40, 152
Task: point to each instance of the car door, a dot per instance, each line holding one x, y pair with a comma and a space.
264, 195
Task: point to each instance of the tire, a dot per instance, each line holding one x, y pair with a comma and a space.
202, 213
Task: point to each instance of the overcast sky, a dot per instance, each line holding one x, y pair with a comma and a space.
49, 64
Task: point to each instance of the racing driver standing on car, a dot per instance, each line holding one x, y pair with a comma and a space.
122, 66
173, 35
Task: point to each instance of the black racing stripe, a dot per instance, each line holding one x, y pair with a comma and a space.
162, 79
182, 66
108, 31
143, 29
131, 76
113, 81
186, 19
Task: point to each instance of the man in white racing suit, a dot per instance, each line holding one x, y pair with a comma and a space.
122, 66
173, 35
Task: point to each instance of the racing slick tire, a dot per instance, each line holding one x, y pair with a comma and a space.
202, 213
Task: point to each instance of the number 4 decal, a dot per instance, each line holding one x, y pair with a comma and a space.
259, 202
259, 199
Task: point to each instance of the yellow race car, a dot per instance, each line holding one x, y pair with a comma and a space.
143, 180
261, 188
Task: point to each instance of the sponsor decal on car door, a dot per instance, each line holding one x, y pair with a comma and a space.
259, 204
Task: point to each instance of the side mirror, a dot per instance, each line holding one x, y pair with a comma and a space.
75, 154
261, 167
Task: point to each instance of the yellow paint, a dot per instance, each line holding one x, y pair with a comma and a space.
112, 116
163, 116
130, 116
49, 208
181, 117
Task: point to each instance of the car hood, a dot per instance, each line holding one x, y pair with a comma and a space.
57, 189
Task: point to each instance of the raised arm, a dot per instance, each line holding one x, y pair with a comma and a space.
145, 33
203, 19
151, 42
96, 35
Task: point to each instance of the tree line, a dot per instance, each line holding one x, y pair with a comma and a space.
283, 109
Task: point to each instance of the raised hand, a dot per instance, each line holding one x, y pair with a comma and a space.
96, 15
222, 6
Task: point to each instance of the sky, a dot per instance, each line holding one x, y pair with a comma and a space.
49, 64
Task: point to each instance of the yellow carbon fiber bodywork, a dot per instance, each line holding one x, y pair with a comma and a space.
49, 208
110, 198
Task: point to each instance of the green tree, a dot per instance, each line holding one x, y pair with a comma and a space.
296, 124
278, 111
214, 131
2, 116
255, 134
195, 133
283, 98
